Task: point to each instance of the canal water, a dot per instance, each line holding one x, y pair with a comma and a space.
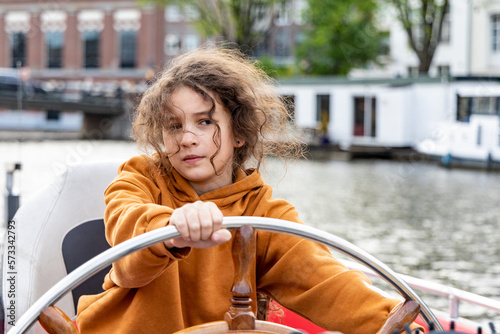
420, 219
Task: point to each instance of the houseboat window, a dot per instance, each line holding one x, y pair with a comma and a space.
91, 49
289, 101
373, 118
482, 105
323, 108
495, 32
18, 42
479, 105
54, 46
464, 107
127, 48
365, 116
53, 115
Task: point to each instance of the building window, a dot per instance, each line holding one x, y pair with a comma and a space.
91, 49
261, 49
127, 48
172, 45
298, 11
283, 14
385, 44
17, 26
54, 43
495, 32
191, 13
282, 43
443, 70
173, 13
127, 23
53, 25
18, 42
191, 42
446, 29
413, 71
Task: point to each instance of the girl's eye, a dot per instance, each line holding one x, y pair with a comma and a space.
206, 122
175, 126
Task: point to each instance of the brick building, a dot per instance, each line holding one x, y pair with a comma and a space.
76, 39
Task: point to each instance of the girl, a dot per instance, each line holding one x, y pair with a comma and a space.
208, 117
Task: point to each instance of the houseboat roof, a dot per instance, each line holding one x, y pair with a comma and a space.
395, 82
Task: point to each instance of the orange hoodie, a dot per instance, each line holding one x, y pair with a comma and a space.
157, 290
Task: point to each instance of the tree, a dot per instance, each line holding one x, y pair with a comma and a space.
244, 22
342, 35
423, 22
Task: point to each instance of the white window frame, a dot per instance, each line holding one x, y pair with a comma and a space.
495, 32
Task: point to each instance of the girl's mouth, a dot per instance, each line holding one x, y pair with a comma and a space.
191, 159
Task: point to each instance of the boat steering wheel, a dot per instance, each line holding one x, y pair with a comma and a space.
239, 316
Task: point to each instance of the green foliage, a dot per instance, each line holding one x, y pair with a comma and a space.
274, 70
244, 22
342, 35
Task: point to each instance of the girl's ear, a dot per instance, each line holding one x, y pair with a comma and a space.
239, 142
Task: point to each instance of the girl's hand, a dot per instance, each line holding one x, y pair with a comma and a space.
200, 226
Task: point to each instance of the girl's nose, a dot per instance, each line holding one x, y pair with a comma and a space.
189, 139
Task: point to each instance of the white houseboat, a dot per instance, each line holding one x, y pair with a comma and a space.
450, 117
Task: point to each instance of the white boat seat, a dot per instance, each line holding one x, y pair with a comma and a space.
72, 206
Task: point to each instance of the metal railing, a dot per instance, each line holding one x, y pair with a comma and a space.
454, 295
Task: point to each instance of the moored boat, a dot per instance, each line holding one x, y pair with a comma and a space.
41, 228
475, 143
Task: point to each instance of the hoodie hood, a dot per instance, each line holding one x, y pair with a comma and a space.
247, 182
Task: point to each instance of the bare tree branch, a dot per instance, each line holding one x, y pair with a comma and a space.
430, 18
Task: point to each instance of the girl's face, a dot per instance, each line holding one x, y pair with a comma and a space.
191, 139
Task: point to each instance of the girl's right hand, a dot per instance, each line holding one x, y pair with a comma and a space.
200, 226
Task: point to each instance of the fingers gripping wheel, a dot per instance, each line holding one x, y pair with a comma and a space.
402, 314
55, 321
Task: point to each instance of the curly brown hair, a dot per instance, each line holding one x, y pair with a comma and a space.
259, 116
